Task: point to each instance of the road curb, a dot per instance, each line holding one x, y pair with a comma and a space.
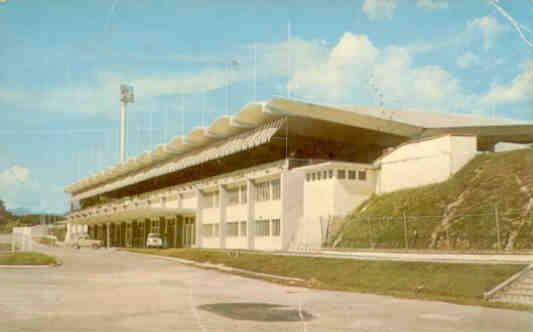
222, 268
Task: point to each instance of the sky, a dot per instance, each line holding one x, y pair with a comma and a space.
192, 61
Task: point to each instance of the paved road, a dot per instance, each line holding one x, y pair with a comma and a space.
101, 290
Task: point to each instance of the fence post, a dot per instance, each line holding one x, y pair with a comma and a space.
370, 233
497, 218
405, 235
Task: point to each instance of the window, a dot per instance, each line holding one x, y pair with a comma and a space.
341, 174
276, 191
244, 225
262, 191
215, 229
163, 201
262, 227
318, 175
276, 227
352, 175
244, 195
313, 176
325, 174
362, 175
331, 174
211, 199
233, 196
232, 228
308, 177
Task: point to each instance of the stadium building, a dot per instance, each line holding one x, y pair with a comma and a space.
272, 176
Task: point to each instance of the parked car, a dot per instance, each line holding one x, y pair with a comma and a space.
84, 241
155, 240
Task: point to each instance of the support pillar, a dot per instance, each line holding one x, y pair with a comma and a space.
198, 219
108, 235
250, 199
222, 203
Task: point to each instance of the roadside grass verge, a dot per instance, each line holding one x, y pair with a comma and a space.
5, 247
457, 283
27, 258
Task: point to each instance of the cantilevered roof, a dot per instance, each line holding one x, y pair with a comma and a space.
219, 149
409, 124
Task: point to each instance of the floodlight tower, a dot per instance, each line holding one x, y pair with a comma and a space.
126, 96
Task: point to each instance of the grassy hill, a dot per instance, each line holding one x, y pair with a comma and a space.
494, 190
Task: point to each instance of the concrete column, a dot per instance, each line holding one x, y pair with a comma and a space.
250, 224
180, 201
108, 235
222, 203
198, 219
285, 205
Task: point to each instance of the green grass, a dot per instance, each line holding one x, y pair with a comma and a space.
26, 258
459, 283
5, 247
489, 180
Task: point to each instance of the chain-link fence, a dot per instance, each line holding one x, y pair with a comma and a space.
494, 230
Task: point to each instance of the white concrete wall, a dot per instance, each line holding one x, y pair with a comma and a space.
292, 193
425, 162
236, 242
329, 197
188, 200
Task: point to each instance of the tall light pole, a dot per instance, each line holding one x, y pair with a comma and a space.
126, 96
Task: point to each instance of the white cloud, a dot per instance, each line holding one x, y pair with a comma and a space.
432, 4
467, 60
355, 71
379, 9
520, 89
487, 28
12, 176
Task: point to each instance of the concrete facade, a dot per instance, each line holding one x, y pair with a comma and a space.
424, 162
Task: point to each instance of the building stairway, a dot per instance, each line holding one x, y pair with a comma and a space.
516, 290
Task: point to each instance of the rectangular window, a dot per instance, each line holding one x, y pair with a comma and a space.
276, 227
262, 227
325, 174
233, 196
318, 175
352, 175
232, 228
341, 174
313, 176
331, 174
244, 195
211, 199
308, 177
262, 192
362, 175
244, 225
276, 190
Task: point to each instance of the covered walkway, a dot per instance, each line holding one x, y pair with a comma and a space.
131, 228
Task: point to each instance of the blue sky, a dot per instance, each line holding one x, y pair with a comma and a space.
63, 62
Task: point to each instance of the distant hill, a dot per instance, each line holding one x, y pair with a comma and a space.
494, 190
21, 211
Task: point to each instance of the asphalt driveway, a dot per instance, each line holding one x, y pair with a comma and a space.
106, 290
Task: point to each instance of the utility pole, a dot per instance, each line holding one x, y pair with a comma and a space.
126, 96
497, 217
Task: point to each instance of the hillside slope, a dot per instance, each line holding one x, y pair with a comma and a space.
493, 191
